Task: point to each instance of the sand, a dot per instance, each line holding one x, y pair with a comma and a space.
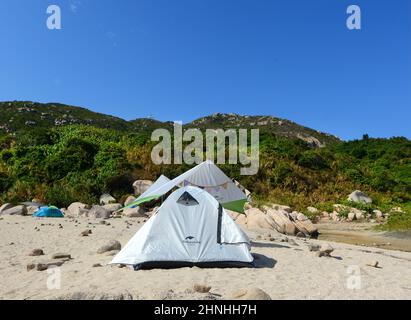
284, 270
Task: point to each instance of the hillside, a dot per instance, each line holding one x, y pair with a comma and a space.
88, 154
17, 116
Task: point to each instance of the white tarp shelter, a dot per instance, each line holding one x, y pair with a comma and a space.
190, 228
206, 176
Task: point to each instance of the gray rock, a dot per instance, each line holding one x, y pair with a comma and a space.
78, 209
98, 212
351, 216
107, 199
141, 186
373, 264
358, 196
5, 206
129, 200
112, 245
301, 217
36, 252
61, 256
137, 212
15, 211
112, 207
85, 233
325, 250
313, 247
42, 266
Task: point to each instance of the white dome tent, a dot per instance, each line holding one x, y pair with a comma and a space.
190, 228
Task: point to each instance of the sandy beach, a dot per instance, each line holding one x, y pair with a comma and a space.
285, 269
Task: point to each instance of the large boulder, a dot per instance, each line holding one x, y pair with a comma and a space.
5, 207
358, 196
77, 209
106, 199
281, 221
281, 207
15, 211
129, 200
112, 207
256, 219
141, 186
99, 212
137, 212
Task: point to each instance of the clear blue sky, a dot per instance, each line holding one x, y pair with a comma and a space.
182, 59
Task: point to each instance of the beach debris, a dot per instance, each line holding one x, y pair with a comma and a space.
31, 266
42, 266
250, 294
61, 256
85, 233
36, 252
110, 246
373, 263
201, 288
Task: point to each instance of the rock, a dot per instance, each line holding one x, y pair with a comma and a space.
112, 245
373, 264
31, 210
77, 209
5, 207
359, 215
98, 212
137, 212
351, 216
250, 294
141, 186
312, 210
292, 242
378, 214
129, 200
45, 265
112, 207
307, 227
314, 247
97, 265
325, 214
281, 222
234, 215
30, 266
15, 211
241, 219
201, 288
256, 219
325, 250
358, 196
36, 252
301, 217
61, 256
106, 199
112, 253
85, 233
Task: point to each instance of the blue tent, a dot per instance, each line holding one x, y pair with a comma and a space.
48, 212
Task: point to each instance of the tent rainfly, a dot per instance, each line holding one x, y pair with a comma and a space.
189, 229
206, 176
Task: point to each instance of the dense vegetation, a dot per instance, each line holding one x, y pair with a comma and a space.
77, 162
